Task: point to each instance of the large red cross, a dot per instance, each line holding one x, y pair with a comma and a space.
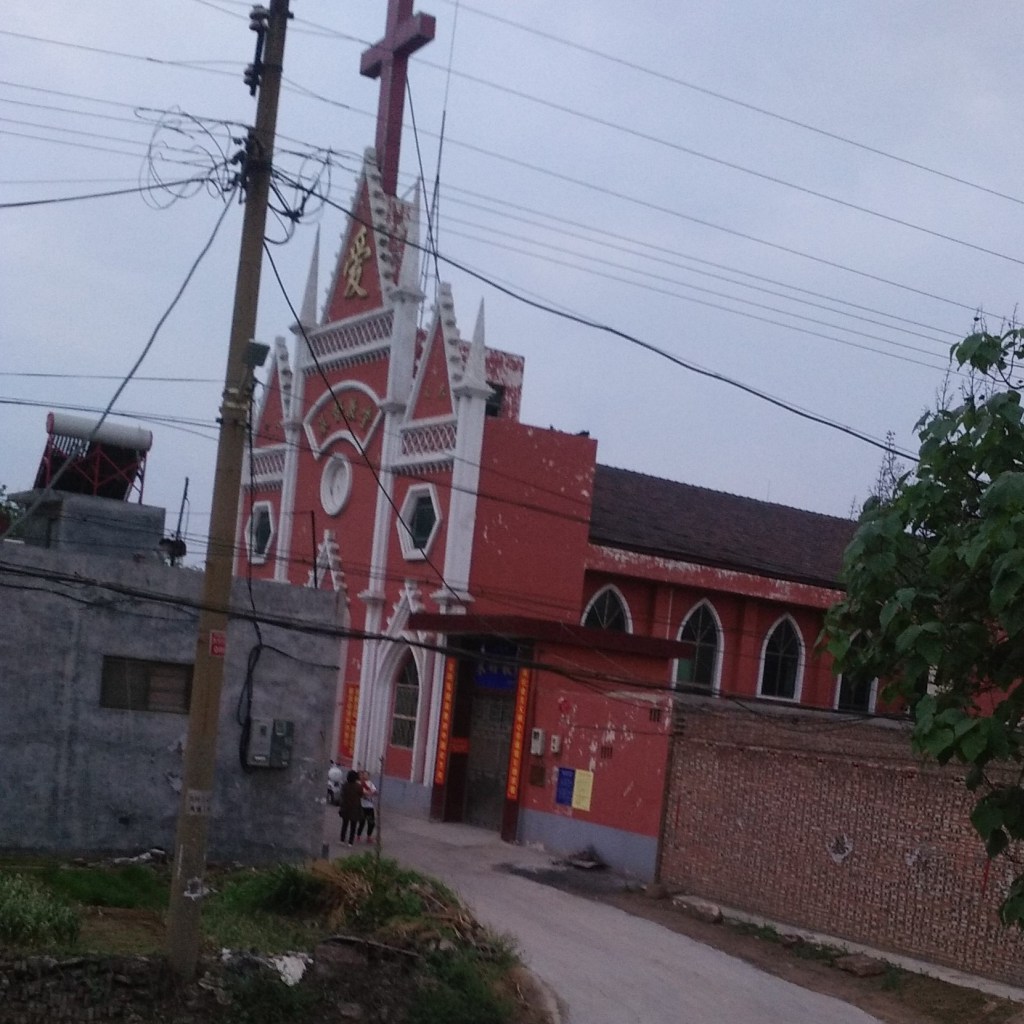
388, 60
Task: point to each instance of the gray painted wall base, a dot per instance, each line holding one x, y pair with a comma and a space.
626, 852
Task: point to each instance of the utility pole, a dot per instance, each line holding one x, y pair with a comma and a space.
187, 885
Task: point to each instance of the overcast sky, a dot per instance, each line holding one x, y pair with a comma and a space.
603, 158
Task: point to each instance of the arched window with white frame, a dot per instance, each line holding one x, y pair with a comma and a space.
856, 692
406, 703
608, 610
701, 669
782, 662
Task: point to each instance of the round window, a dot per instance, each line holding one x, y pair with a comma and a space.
335, 484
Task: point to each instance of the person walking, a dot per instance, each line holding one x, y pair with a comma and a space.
369, 796
351, 807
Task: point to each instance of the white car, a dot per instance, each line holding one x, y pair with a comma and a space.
335, 777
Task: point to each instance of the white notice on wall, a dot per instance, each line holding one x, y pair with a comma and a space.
582, 790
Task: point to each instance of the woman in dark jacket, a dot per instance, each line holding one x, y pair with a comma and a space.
351, 807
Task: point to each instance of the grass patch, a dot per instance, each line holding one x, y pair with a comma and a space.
272, 911
760, 931
456, 975
460, 988
32, 917
132, 887
815, 951
284, 890
892, 980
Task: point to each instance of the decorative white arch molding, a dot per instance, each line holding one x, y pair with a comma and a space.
389, 655
328, 565
798, 683
350, 411
605, 594
716, 680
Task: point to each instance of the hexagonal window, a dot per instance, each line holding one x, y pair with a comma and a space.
259, 533
420, 520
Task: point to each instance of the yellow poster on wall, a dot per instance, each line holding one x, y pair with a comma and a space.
582, 790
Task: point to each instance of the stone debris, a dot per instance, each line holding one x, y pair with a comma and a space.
709, 913
861, 965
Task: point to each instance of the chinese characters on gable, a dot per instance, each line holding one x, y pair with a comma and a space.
352, 268
348, 412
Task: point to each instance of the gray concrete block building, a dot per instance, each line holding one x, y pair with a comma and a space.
97, 640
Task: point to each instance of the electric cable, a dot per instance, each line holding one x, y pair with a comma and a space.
141, 357
584, 321
597, 681
57, 200
754, 108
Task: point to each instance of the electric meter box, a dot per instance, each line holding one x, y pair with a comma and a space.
270, 743
537, 742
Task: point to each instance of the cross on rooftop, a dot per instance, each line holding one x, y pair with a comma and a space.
387, 60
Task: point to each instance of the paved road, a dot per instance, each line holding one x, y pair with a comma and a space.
608, 966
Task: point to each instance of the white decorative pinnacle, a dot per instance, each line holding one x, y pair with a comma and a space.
307, 312
473, 378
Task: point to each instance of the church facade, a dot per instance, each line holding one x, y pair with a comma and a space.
517, 617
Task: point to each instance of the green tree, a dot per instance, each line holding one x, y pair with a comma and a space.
934, 583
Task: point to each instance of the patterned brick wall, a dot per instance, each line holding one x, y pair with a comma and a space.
832, 824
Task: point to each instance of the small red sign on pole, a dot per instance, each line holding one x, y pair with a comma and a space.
218, 643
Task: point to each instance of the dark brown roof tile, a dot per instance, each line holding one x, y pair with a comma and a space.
662, 517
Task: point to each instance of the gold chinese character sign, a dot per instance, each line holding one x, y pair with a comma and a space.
352, 268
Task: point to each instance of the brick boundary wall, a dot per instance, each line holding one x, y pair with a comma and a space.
832, 824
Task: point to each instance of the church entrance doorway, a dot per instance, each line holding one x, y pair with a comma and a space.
487, 766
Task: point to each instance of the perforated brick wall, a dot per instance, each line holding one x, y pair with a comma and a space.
830, 823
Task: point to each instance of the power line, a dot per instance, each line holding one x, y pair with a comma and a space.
497, 156
571, 671
102, 149
188, 65
138, 378
56, 200
359, 446
643, 285
754, 108
646, 250
142, 355
733, 166
648, 346
678, 214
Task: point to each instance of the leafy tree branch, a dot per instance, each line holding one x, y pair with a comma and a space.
934, 582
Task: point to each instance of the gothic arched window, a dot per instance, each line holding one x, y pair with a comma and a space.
701, 668
782, 662
407, 698
607, 610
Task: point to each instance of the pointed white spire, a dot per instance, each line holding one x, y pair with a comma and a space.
307, 314
476, 370
474, 374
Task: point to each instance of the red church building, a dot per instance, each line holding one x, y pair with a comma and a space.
518, 616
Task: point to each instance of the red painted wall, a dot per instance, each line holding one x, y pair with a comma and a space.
532, 520
659, 609
618, 732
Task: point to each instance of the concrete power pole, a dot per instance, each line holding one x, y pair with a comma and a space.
187, 885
